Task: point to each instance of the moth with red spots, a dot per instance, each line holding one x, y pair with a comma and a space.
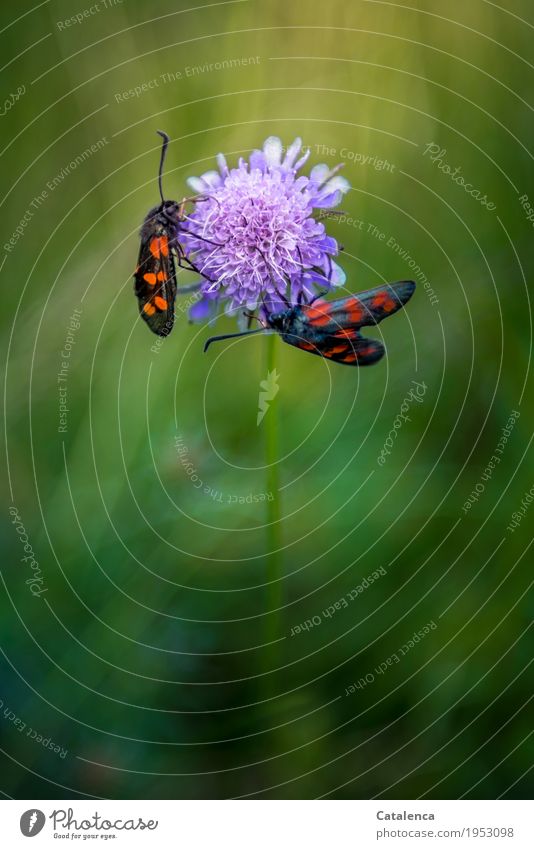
331, 329
155, 275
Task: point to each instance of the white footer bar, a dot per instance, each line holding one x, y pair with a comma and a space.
268, 824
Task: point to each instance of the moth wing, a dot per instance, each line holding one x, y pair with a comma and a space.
345, 347
361, 310
155, 284
382, 301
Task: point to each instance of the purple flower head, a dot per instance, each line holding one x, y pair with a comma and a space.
254, 237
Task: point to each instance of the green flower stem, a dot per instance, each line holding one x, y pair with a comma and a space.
273, 558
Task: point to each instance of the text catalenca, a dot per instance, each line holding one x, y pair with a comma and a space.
402, 815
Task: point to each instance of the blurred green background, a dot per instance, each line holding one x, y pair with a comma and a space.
144, 661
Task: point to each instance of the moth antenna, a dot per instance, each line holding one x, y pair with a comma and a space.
235, 335
164, 146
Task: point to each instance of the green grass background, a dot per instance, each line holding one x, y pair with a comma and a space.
144, 657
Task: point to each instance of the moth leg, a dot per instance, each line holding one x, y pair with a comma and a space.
319, 295
185, 263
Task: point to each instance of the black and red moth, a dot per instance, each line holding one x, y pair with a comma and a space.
331, 329
155, 275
